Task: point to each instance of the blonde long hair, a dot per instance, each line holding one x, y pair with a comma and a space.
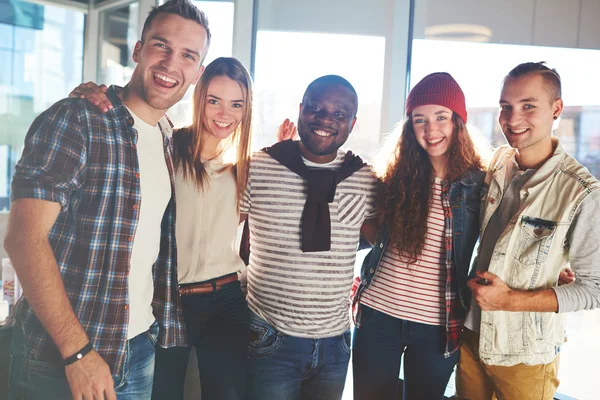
188, 141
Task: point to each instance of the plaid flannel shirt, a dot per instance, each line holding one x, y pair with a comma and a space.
87, 162
455, 313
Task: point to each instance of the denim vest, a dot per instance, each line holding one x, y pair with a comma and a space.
530, 254
465, 201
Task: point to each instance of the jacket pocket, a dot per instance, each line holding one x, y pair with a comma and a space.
535, 239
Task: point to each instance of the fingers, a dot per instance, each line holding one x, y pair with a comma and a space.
110, 394
487, 275
94, 94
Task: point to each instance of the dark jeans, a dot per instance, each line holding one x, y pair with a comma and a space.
378, 347
36, 379
283, 367
218, 325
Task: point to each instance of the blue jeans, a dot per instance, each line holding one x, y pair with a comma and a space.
283, 367
36, 379
378, 347
217, 325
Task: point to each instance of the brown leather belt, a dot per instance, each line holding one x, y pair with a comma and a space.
211, 286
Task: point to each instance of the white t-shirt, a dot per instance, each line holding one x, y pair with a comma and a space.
302, 294
155, 187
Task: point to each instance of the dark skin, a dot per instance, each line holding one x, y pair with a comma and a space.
327, 116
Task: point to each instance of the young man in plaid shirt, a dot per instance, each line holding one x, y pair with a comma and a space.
92, 227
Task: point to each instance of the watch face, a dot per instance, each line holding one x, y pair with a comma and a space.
79, 356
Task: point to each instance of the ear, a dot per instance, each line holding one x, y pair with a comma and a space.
557, 108
197, 77
352, 125
136, 52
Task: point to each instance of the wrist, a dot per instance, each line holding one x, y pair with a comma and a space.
78, 355
513, 300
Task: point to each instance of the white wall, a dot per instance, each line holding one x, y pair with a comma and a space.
357, 17
557, 23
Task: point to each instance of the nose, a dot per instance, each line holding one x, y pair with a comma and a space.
324, 117
167, 60
511, 117
222, 110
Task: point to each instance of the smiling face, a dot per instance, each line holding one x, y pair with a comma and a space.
433, 129
168, 60
327, 116
224, 107
527, 109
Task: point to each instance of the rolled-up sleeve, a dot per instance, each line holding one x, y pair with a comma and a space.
53, 163
584, 257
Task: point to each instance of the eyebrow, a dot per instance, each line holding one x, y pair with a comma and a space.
162, 39
218, 98
436, 113
527, 100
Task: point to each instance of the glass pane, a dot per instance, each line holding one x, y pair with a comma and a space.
119, 36
39, 65
471, 40
220, 22
284, 70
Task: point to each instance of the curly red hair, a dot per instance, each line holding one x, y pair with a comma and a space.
405, 190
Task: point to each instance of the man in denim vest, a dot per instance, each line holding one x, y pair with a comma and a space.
540, 213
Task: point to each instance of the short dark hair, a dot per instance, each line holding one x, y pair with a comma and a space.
549, 75
331, 80
183, 8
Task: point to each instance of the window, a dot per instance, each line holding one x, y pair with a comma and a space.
286, 62
473, 41
119, 32
41, 60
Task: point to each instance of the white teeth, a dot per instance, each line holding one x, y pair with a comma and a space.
517, 131
435, 141
222, 124
320, 132
165, 78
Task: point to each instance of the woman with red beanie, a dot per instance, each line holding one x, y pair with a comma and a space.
413, 297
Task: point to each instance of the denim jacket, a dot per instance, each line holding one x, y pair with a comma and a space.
465, 201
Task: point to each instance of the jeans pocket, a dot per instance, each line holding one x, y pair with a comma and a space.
264, 340
45, 380
152, 334
345, 342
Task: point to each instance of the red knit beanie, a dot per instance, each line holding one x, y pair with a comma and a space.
441, 89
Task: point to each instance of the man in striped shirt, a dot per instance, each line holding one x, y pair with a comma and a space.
299, 278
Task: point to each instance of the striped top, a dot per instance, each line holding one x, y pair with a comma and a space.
302, 294
414, 292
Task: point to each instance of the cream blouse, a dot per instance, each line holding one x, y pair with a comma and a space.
207, 225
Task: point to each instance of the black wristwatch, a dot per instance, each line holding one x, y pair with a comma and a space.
78, 355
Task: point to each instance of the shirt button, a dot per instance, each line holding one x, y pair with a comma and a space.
371, 270
126, 307
134, 146
381, 245
538, 231
137, 174
130, 238
492, 200
135, 206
